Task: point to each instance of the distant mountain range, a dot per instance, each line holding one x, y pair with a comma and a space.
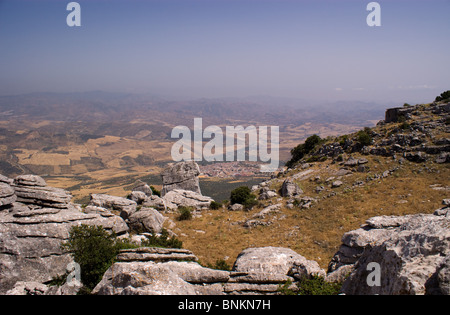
103, 141
104, 106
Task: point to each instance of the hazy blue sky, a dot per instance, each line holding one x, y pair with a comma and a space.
308, 49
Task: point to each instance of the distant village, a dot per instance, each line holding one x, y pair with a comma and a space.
230, 169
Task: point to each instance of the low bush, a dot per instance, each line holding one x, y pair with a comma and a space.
313, 286
185, 213
300, 151
215, 205
243, 195
95, 250
444, 96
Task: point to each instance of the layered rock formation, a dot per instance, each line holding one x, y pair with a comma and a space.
411, 250
31, 231
175, 272
182, 175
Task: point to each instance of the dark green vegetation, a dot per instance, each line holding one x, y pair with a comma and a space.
185, 213
243, 195
444, 96
303, 149
314, 286
95, 250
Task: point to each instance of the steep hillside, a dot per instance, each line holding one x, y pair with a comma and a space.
398, 167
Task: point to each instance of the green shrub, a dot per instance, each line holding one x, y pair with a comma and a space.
364, 137
313, 286
220, 264
243, 195
405, 126
162, 241
94, 249
185, 213
444, 96
303, 149
215, 205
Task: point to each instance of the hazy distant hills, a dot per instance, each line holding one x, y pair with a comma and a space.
103, 106
102, 141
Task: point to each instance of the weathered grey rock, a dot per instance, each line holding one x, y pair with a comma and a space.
156, 202
393, 114
32, 189
160, 271
336, 184
351, 162
155, 254
418, 157
443, 158
410, 250
236, 207
252, 223
146, 220
443, 278
31, 238
186, 198
267, 194
267, 210
28, 288
138, 196
6, 180
275, 261
142, 278
43, 196
125, 206
7, 196
30, 180
182, 175
143, 187
290, 189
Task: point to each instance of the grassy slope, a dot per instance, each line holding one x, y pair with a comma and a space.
316, 232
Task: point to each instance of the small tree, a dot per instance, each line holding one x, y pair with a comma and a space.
94, 249
303, 149
185, 213
364, 137
243, 195
444, 96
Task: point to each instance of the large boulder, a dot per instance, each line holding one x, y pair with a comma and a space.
276, 262
186, 198
123, 206
159, 271
146, 220
31, 233
412, 252
32, 189
290, 189
175, 271
182, 175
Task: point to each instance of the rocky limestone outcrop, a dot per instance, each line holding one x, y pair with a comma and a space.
32, 189
155, 271
290, 189
125, 207
146, 220
186, 198
182, 175
31, 232
7, 196
412, 252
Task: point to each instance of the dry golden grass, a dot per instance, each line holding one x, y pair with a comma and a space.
316, 232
